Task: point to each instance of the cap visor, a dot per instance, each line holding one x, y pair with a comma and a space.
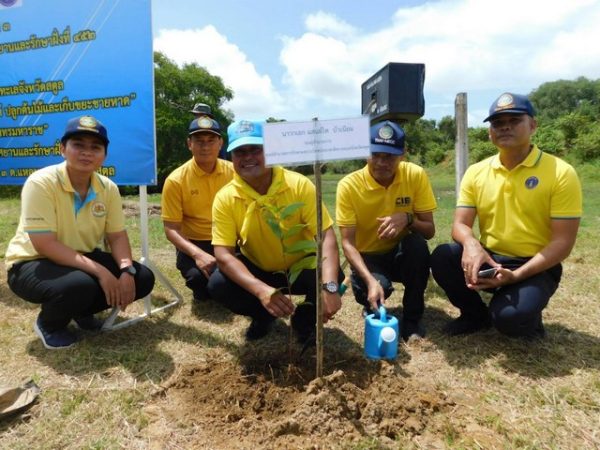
249, 140
205, 131
378, 148
505, 111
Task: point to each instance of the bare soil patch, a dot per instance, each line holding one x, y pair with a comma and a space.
275, 406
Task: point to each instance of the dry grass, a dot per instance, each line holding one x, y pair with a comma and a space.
506, 393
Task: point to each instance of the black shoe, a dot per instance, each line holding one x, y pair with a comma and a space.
466, 325
410, 328
89, 323
258, 329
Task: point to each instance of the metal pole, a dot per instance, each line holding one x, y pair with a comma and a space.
462, 141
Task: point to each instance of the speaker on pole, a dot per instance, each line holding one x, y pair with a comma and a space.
395, 93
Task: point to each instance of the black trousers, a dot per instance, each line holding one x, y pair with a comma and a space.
408, 264
239, 301
194, 278
515, 309
65, 292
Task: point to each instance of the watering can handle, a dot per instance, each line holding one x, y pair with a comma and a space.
382, 313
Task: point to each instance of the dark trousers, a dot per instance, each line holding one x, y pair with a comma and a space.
515, 309
194, 278
65, 292
408, 264
239, 301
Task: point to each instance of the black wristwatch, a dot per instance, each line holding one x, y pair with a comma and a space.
331, 287
130, 270
409, 219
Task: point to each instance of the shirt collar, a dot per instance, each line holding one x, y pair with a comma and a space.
530, 161
372, 184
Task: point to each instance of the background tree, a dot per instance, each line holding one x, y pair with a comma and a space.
176, 91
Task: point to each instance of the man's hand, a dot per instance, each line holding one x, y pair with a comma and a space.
205, 262
278, 304
127, 290
110, 286
473, 257
331, 304
391, 226
375, 294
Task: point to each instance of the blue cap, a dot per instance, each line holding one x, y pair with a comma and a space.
509, 103
85, 125
387, 137
204, 124
244, 132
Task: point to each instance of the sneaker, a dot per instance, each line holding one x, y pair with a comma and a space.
466, 325
258, 329
89, 323
55, 340
410, 328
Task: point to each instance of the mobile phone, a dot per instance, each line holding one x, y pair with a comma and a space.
487, 273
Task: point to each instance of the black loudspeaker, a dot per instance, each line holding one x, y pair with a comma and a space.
395, 93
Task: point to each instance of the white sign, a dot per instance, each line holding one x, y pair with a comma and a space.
293, 143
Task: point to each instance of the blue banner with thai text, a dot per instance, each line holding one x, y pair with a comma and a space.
61, 59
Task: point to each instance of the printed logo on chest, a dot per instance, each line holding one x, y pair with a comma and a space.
402, 201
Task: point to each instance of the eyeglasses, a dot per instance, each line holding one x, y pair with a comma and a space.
250, 150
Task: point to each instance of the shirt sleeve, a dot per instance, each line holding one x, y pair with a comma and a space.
424, 198
115, 219
345, 216
223, 222
566, 200
171, 202
38, 208
466, 195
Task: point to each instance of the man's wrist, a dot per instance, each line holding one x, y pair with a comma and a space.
410, 219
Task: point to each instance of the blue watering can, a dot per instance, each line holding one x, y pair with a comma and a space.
381, 335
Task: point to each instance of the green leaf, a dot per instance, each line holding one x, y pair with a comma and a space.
301, 246
308, 262
294, 230
291, 209
274, 225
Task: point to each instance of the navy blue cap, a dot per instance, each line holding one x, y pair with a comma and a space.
204, 124
244, 132
85, 125
509, 103
387, 137
202, 109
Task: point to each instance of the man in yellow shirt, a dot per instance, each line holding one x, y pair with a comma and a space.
251, 283
385, 214
187, 199
528, 205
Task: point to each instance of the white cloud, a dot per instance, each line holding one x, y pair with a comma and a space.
482, 47
254, 94
328, 24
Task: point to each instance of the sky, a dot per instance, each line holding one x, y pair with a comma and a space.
300, 59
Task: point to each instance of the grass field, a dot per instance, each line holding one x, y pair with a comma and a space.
125, 389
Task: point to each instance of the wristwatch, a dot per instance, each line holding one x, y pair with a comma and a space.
331, 287
130, 270
409, 219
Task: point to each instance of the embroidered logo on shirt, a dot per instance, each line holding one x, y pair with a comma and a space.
98, 209
531, 182
402, 201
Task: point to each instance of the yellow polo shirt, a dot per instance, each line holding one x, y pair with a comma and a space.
49, 204
238, 218
360, 200
514, 208
188, 195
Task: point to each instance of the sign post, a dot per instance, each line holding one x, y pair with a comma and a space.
294, 143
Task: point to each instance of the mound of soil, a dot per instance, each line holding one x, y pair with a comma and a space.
225, 406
